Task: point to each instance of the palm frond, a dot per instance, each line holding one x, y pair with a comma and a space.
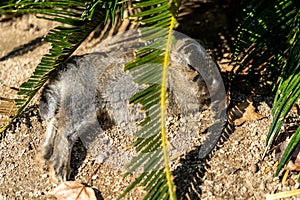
289, 150
288, 91
287, 95
262, 44
150, 69
64, 39
268, 42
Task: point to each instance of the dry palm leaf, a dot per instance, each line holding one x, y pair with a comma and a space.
72, 190
245, 111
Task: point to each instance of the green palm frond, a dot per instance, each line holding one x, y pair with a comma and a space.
78, 18
150, 69
287, 95
268, 42
262, 44
289, 150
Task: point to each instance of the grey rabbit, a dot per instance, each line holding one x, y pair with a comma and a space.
90, 86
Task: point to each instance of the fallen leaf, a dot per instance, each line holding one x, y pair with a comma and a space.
248, 115
296, 157
297, 160
292, 166
294, 163
72, 190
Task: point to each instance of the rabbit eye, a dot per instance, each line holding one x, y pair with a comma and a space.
190, 67
196, 77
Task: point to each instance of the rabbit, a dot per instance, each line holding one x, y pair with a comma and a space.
92, 91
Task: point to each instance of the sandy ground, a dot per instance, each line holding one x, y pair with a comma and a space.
234, 171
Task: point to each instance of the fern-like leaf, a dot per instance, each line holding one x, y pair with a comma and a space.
262, 44
287, 95
288, 91
268, 41
150, 69
289, 150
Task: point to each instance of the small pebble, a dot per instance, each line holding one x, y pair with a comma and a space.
183, 120
262, 186
254, 168
94, 177
45, 175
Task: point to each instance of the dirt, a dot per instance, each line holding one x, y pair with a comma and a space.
234, 170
